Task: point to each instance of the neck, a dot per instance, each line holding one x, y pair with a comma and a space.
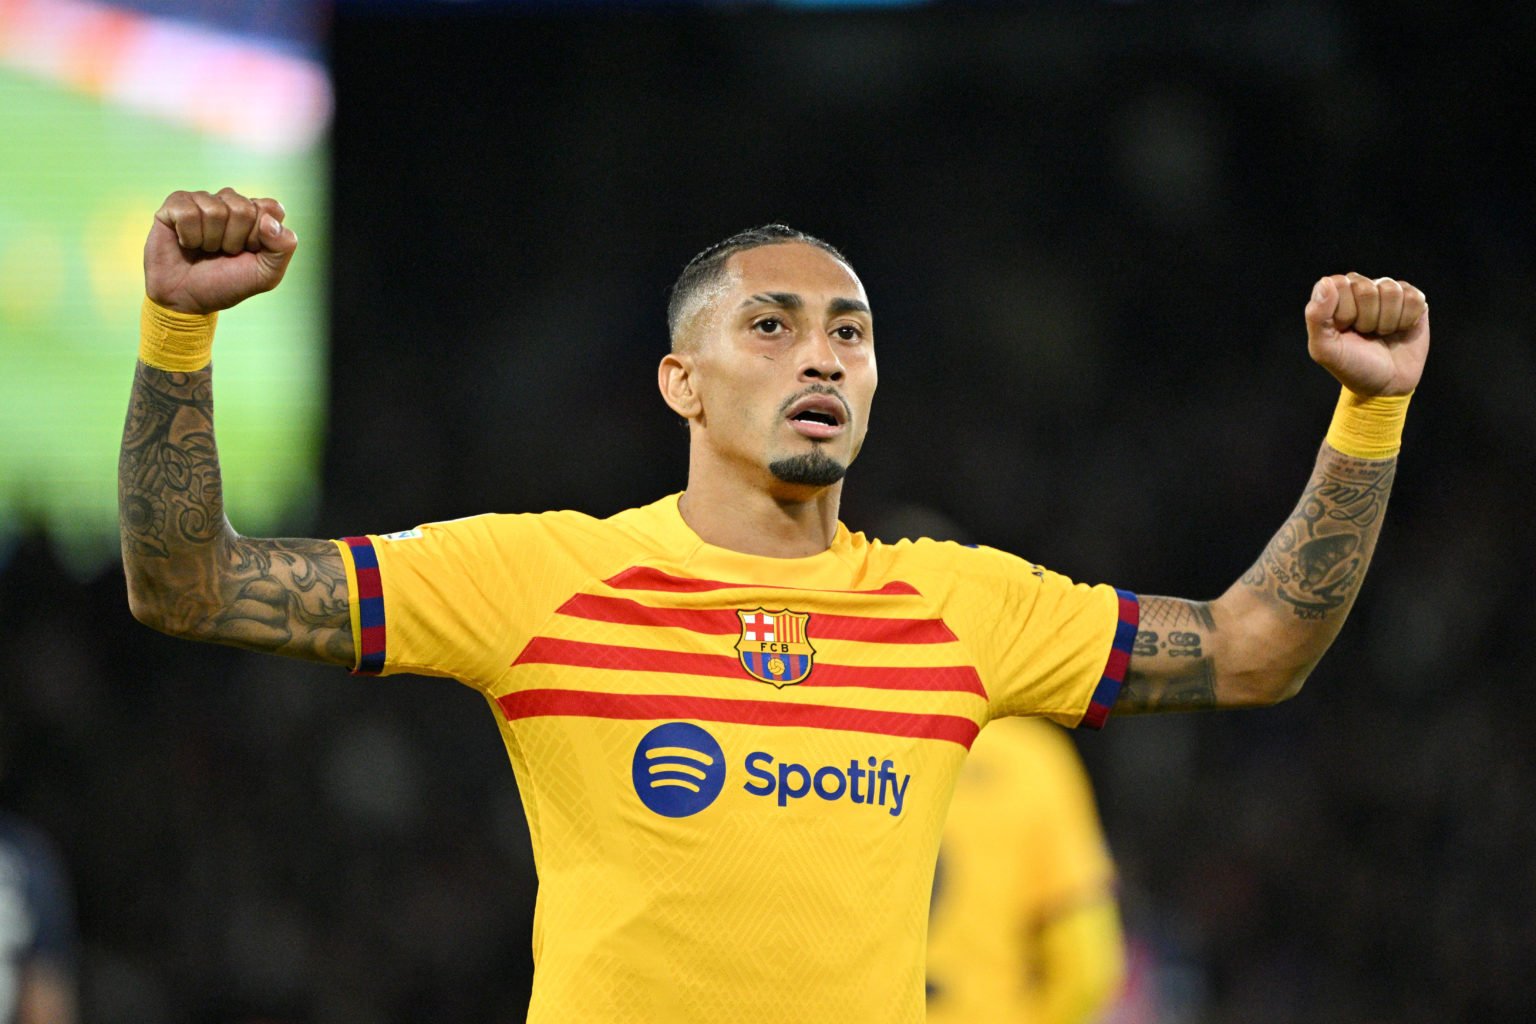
792, 522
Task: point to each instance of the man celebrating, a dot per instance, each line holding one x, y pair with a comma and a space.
735, 724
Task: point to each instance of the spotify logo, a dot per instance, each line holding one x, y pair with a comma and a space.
678, 769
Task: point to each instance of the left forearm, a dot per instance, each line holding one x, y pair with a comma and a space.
1312, 568
1256, 644
1301, 588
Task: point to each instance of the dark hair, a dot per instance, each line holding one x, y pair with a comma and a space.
708, 266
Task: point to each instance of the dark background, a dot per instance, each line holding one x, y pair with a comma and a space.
1088, 232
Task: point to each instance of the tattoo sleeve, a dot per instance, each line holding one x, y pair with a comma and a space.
1256, 643
1171, 668
189, 573
1314, 565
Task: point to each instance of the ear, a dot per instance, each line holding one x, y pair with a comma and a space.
675, 379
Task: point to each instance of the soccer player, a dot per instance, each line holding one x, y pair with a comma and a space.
1024, 927
735, 724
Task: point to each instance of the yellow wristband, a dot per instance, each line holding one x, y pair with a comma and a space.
179, 342
1368, 428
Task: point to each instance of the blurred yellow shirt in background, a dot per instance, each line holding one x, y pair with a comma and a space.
1024, 927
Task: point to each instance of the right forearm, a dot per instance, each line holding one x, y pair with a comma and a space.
170, 499
189, 573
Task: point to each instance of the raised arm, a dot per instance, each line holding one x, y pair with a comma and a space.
189, 573
1256, 644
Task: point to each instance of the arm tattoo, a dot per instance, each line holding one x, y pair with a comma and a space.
200, 578
168, 488
1315, 564
1170, 669
283, 592
1308, 576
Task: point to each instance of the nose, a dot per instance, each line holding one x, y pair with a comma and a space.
820, 361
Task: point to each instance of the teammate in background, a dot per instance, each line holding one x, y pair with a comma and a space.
736, 725
1024, 926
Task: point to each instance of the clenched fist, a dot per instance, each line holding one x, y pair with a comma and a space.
208, 252
1371, 335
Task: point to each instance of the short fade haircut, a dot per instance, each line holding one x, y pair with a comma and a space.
708, 267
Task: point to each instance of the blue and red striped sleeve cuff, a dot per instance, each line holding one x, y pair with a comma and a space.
368, 600
1108, 690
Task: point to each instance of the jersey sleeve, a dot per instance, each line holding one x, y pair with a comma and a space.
438, 600
1046, 645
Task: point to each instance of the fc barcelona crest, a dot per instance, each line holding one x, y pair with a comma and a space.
774, 646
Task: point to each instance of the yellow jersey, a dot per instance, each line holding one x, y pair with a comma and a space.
735, 768
1022, 847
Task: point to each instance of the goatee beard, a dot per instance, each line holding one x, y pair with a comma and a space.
813, 469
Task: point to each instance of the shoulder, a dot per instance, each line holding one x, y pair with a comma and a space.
560, 527
553, 548
947, 559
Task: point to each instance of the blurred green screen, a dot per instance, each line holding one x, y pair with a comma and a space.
80, 179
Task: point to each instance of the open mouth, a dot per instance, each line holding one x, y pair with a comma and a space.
818, 416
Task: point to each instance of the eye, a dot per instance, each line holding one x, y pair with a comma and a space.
848, 332
769, 325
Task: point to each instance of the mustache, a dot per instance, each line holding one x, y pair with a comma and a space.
817, 389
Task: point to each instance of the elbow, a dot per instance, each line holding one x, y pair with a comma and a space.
145, 606
160, 605
1266, 656
1265, 688
142, 611
173, 592
1292, 685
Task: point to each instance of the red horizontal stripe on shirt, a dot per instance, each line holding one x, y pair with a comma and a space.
646, 706
724, 621
545, 650
643, 577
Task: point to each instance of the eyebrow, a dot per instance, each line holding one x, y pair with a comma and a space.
789, 300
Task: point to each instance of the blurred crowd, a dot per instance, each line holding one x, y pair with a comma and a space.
1087, 234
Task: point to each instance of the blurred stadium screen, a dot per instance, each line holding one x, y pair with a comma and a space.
104, 109
427, 6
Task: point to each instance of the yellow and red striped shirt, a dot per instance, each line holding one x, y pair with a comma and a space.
735, 769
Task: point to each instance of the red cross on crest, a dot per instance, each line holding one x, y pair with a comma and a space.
774, 646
